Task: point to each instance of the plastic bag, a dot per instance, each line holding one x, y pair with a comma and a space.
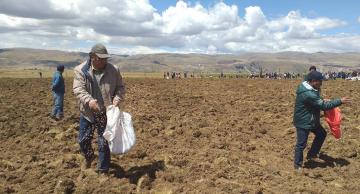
333, 118
119, 130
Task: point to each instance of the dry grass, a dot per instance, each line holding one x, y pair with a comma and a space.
47, 73
142, 75
30, 73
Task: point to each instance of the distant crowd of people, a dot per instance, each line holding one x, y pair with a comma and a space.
176, 75
327, 76
340, 75
271, 75
275, 75
180, 75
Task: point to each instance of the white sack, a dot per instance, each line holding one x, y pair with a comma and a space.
119, 130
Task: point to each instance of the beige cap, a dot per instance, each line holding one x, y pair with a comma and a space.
100, 51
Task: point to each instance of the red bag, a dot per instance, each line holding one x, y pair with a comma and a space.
333, 118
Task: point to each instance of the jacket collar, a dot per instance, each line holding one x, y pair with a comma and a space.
308, 86
86, 69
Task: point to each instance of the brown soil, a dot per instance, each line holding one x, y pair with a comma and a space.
193, 136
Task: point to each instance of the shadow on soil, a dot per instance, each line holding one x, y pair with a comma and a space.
135, 173
328, 162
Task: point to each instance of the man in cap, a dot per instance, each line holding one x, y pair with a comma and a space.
308, 104
97, 84
58, 90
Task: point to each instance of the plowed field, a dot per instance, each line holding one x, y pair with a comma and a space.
193, 136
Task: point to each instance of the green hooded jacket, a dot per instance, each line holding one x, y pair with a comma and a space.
308, 104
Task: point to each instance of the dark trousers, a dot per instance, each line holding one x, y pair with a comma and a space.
302, 137
86, 133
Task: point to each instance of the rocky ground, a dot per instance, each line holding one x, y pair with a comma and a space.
193, 136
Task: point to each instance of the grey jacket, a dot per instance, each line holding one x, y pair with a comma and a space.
111, 86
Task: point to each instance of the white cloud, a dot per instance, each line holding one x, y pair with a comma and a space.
295, 26
254, 17
359, 19
182, 27
90, 34
186, 20
182, 19
65, 6
223, 16
135, 50
17, 22
211, 49
102, 12
41, 9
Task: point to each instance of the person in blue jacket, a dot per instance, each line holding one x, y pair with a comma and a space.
58, 90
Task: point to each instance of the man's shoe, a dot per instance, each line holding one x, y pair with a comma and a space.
52, 116
314, 159
298, 170
59, 117
87, 164
102, 172
297, 167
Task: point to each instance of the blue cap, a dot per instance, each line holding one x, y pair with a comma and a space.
315, 75
60, 68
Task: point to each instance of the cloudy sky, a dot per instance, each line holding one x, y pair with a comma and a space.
213, 26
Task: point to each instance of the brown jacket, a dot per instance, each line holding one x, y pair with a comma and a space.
111, 86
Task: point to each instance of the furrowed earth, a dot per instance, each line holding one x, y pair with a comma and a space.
193, 136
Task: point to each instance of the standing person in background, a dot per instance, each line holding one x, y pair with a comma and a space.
58, 90
308, 104
312, 68
97, 84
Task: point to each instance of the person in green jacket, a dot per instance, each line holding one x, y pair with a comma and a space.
308, 104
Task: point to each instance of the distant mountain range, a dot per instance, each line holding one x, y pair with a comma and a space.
297, 62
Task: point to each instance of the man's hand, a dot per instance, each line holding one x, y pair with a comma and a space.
346, 100
117, 102
93, 104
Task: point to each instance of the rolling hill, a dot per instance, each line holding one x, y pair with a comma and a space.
297, 62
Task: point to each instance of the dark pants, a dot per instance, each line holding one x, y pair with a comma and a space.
86, 133
58, 110
302, 137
